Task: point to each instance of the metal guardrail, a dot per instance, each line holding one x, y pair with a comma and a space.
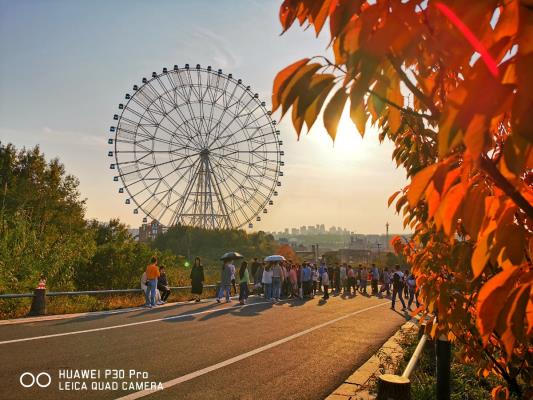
396, 387
416, 355
91, 292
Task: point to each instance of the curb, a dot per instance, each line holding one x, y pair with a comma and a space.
356, 386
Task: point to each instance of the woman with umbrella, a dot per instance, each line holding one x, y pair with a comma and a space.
197, 279
226, 274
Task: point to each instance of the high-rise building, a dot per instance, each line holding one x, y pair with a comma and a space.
303, 230
295, 231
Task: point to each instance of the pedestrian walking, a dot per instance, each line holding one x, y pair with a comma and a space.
225, 281
244, 280
386, 282
307, 280
197, 279
152, 273
411, 286
255, 266
343, 278
375, 279
276, 281
364, 280
325, 283
267, 282
293, 278
337, 278
320, 272
315, 279
232, 268
258, 280
351, 281
405, 286
397, 287
162, 285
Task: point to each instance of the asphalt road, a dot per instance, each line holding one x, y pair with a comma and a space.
290, 350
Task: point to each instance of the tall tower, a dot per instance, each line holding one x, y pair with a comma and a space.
387, 237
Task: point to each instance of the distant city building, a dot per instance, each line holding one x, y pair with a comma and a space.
303, 230
286, 231
295, 231
148, 232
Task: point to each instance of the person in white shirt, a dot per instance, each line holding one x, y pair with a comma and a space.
343, 276
325, 283
386, 282
315, 280
232, 269
267, 282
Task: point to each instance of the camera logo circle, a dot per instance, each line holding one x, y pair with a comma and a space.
43, 379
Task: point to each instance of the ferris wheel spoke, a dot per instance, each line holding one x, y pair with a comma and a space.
247, 176
259, 169
236, 116
231, 176
178, 211
138, 114
177, 136
168, 193
220, 197
251, 137
166, 92
240, 141
247, 195
226, 108
156, 98
196, 94
158, 182
153, 166
224, 102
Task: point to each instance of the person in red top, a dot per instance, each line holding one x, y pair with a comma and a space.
152, 273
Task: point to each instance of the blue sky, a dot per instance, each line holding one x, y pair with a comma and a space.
65, 66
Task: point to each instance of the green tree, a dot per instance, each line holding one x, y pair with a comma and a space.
211, 244
42, 226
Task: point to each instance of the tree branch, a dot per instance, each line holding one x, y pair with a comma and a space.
499, 180
404, 110
417, 92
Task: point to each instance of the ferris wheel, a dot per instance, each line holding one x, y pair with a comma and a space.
194, 146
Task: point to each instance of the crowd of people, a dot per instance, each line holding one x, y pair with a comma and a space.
284, 279
287, 280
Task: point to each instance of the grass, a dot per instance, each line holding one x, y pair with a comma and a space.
16, 308
465, 384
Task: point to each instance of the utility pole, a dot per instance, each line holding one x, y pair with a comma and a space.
387, 236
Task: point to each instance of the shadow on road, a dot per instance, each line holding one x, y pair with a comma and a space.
156, 310
404, 314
